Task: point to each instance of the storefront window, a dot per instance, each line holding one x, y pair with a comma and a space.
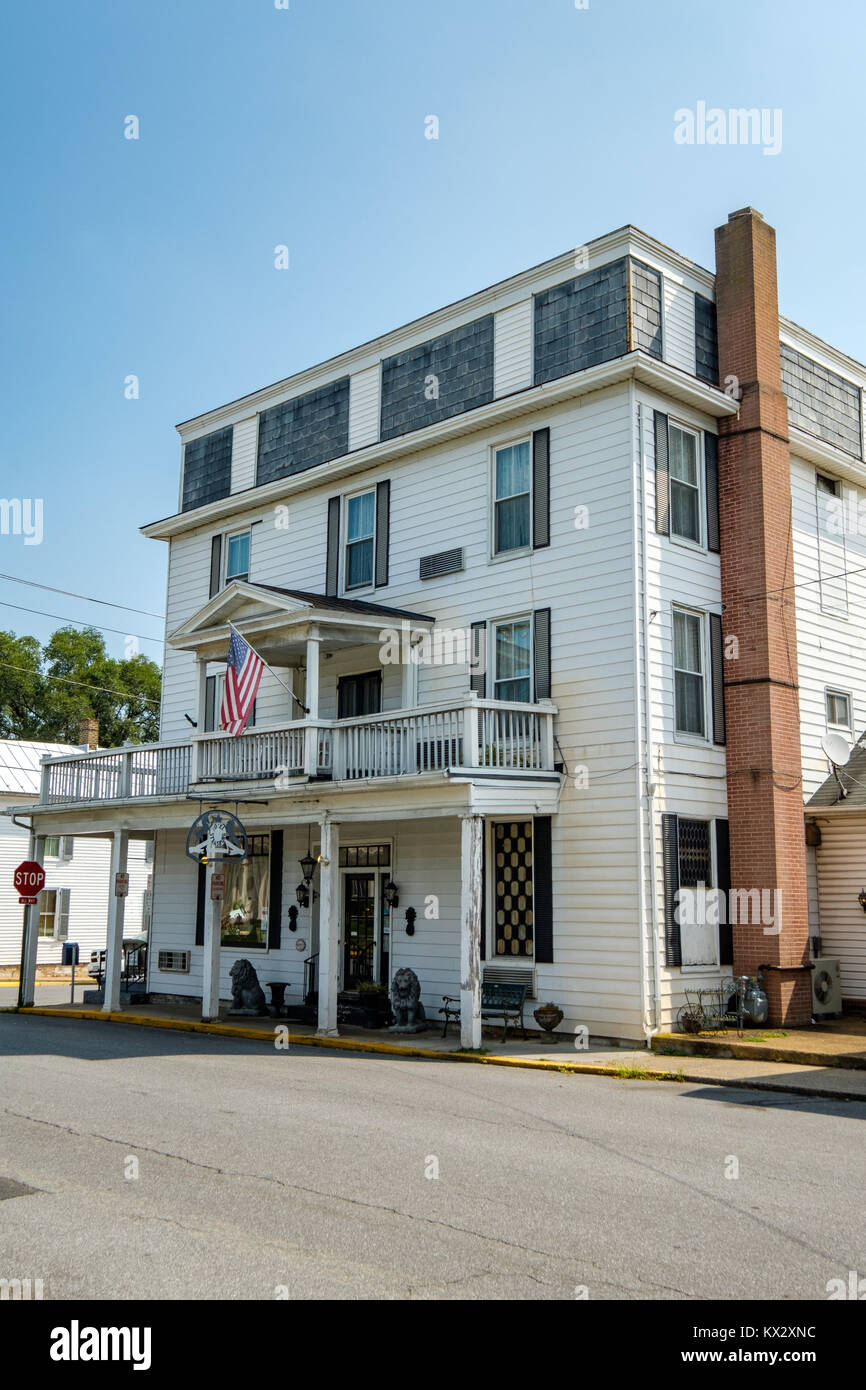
245, 904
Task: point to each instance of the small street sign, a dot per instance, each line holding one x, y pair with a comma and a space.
121, 885
29, 880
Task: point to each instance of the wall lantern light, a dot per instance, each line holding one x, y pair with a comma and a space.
861, 898
390, 893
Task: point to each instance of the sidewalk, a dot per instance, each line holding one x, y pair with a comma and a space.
833, 1080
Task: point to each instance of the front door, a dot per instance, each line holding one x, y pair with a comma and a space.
359, 934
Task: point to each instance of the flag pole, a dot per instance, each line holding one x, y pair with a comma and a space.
269, 668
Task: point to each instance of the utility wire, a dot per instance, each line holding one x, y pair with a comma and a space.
79, 622
102, 689
67, 593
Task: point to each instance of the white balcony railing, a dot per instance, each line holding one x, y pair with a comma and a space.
460, 736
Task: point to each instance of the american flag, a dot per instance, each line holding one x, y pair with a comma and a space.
243, 673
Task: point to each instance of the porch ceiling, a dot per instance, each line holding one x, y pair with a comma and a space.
279, 621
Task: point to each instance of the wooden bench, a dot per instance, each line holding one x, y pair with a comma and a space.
497, 1001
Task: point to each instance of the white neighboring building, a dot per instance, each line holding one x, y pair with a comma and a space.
74, 903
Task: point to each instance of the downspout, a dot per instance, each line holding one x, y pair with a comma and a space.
646, 783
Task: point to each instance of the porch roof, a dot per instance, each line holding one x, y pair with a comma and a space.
851, 777
278, 621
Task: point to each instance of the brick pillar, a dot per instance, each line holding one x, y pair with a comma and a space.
765, 792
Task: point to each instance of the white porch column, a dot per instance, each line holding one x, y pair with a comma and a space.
329, 928
312, 691
409, 696
311, 700
116, 906
30, 937
201, 702
210, 987
471, 843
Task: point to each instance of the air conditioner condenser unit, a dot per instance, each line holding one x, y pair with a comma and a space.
826, 987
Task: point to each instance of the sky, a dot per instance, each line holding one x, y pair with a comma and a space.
303, 123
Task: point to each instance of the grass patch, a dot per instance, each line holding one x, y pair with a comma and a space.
762, 1037
473, 1051
635, 1074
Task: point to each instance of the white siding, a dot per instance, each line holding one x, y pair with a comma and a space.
512, 348
364, 390
829, 647
841, 861
244, 448
679, 325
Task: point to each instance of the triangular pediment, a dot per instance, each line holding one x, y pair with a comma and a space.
239, 602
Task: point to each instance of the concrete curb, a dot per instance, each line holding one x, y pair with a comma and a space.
227, 1030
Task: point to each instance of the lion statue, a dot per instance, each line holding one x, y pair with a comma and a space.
248, 997
409, 1012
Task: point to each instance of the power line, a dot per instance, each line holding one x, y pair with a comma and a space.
79, 622
67, 593
102, 689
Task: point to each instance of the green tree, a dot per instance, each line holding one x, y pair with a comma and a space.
73, 678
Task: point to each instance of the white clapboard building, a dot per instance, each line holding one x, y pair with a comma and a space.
74, 903
544, 648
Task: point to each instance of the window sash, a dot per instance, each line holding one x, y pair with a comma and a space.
838, 709
685, 488
47, 913
513, 660
238, 556
512, 498
247, 897
360, 540
689, 676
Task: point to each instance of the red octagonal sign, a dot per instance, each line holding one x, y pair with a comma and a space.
29, 880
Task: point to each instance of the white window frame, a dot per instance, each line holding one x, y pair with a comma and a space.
344, 548
680, 735
496, 447
838, 693
228, 537
700, 468
491, 654
714, 875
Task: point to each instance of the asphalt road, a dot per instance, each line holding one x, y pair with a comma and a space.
168, 1165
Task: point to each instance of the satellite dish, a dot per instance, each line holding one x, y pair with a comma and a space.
837, 748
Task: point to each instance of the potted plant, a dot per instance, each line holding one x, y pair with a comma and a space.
548, 1016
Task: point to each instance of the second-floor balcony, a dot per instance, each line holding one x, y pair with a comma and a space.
469, 737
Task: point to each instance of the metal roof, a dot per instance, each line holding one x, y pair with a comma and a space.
19, 763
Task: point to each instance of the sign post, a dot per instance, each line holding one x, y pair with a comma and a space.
213, 838
29, 880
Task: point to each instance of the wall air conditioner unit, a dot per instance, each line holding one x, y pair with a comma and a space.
173, 962
826, 987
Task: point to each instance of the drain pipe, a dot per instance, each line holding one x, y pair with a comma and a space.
648, 832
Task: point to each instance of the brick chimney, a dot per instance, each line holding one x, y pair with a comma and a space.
88, 733
765, 791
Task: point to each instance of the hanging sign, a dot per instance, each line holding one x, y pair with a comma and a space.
216, 835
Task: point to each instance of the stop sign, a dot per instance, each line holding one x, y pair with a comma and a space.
29, 879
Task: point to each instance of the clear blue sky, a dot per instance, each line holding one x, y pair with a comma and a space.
305, 126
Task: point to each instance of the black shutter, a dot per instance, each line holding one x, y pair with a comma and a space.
663, 485
542, 891
332, 564
717, 673
210, 704
540, 488
383, 531
723, 882
477, 681
541, 652
671, 880
216, 556
275, 897
711, 469
201, 889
